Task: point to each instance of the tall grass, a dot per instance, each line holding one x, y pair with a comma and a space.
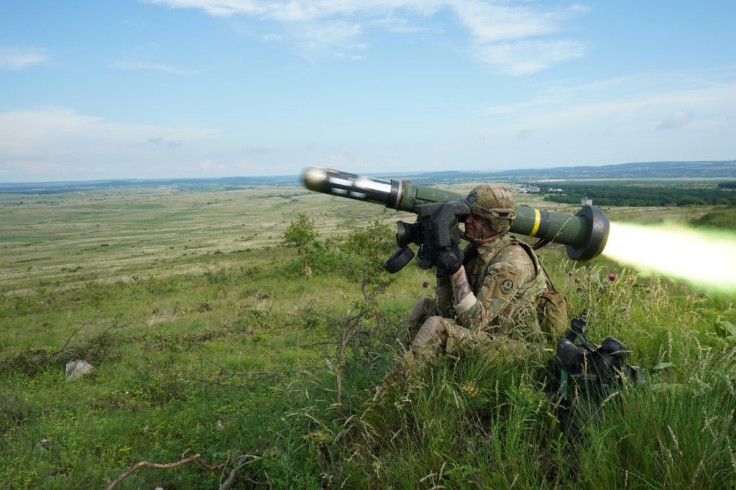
238, 361
483, 422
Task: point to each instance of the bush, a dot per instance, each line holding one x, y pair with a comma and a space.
301, 233
359, 255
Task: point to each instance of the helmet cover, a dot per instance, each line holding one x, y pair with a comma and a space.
494, 204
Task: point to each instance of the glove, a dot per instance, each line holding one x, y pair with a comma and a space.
449, 260
427, 256
444, 232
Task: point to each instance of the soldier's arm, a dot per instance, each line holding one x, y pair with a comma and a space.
497, 291
461, 287
500, 286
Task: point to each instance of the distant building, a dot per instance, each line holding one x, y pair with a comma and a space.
586, 201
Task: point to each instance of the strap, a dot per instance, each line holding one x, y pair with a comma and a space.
538, 264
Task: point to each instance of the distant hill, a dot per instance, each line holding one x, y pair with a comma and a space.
219, 183
646, 170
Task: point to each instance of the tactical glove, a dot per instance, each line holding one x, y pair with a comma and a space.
427, 256
449, 260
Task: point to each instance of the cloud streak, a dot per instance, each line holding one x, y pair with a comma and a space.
159, 141
523, 57
61, 140
137, 65
596, 130
21, 58
515, 38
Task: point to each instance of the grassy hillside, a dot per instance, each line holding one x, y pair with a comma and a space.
210, 337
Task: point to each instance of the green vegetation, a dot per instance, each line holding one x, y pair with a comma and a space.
640, 194
209, 338
723, 218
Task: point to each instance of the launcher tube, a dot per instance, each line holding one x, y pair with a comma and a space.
584, 233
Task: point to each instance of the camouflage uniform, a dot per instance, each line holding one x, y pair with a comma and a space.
500, 315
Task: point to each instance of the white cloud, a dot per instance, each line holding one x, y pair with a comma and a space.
574, 126
137, 65
519, 58
518, 38
491, 22
21, 58
397, 24
334, 38
65, 142
665, 92
163, 142
302, 10
26, 132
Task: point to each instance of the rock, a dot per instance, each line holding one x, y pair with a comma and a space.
44, 444
77, 369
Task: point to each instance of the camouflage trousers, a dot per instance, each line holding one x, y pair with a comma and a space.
433, 335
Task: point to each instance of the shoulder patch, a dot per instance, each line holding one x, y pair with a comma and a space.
507, 285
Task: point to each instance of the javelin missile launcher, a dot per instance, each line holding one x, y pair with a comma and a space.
584, 234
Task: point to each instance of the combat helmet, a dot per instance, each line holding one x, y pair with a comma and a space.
494, 204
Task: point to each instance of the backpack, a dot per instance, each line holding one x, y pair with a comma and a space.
553, 308
552, 311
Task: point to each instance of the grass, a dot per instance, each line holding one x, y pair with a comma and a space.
206, 339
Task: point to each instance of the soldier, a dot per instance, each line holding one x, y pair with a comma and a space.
495, 295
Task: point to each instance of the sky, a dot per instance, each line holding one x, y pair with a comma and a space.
115, 89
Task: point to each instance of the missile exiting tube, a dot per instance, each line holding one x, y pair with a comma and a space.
584, 234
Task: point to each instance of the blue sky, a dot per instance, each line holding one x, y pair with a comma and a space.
94, 89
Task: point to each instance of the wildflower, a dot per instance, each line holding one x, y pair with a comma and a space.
579, 290
569, 273
425, 284
612, 277
470, 389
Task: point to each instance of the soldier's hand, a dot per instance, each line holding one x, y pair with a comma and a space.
449, 259
444, 231
427, 256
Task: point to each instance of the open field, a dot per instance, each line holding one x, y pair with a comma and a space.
207, 338
111, 235
114, 235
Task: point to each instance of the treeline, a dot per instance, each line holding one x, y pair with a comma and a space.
610, 194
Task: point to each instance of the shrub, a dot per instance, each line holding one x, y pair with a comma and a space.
301, 233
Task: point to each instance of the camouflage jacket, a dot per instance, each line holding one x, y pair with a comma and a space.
506, 279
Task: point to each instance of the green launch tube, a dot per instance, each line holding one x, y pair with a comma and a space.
584, 233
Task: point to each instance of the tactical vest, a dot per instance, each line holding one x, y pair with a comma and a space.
552, 307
